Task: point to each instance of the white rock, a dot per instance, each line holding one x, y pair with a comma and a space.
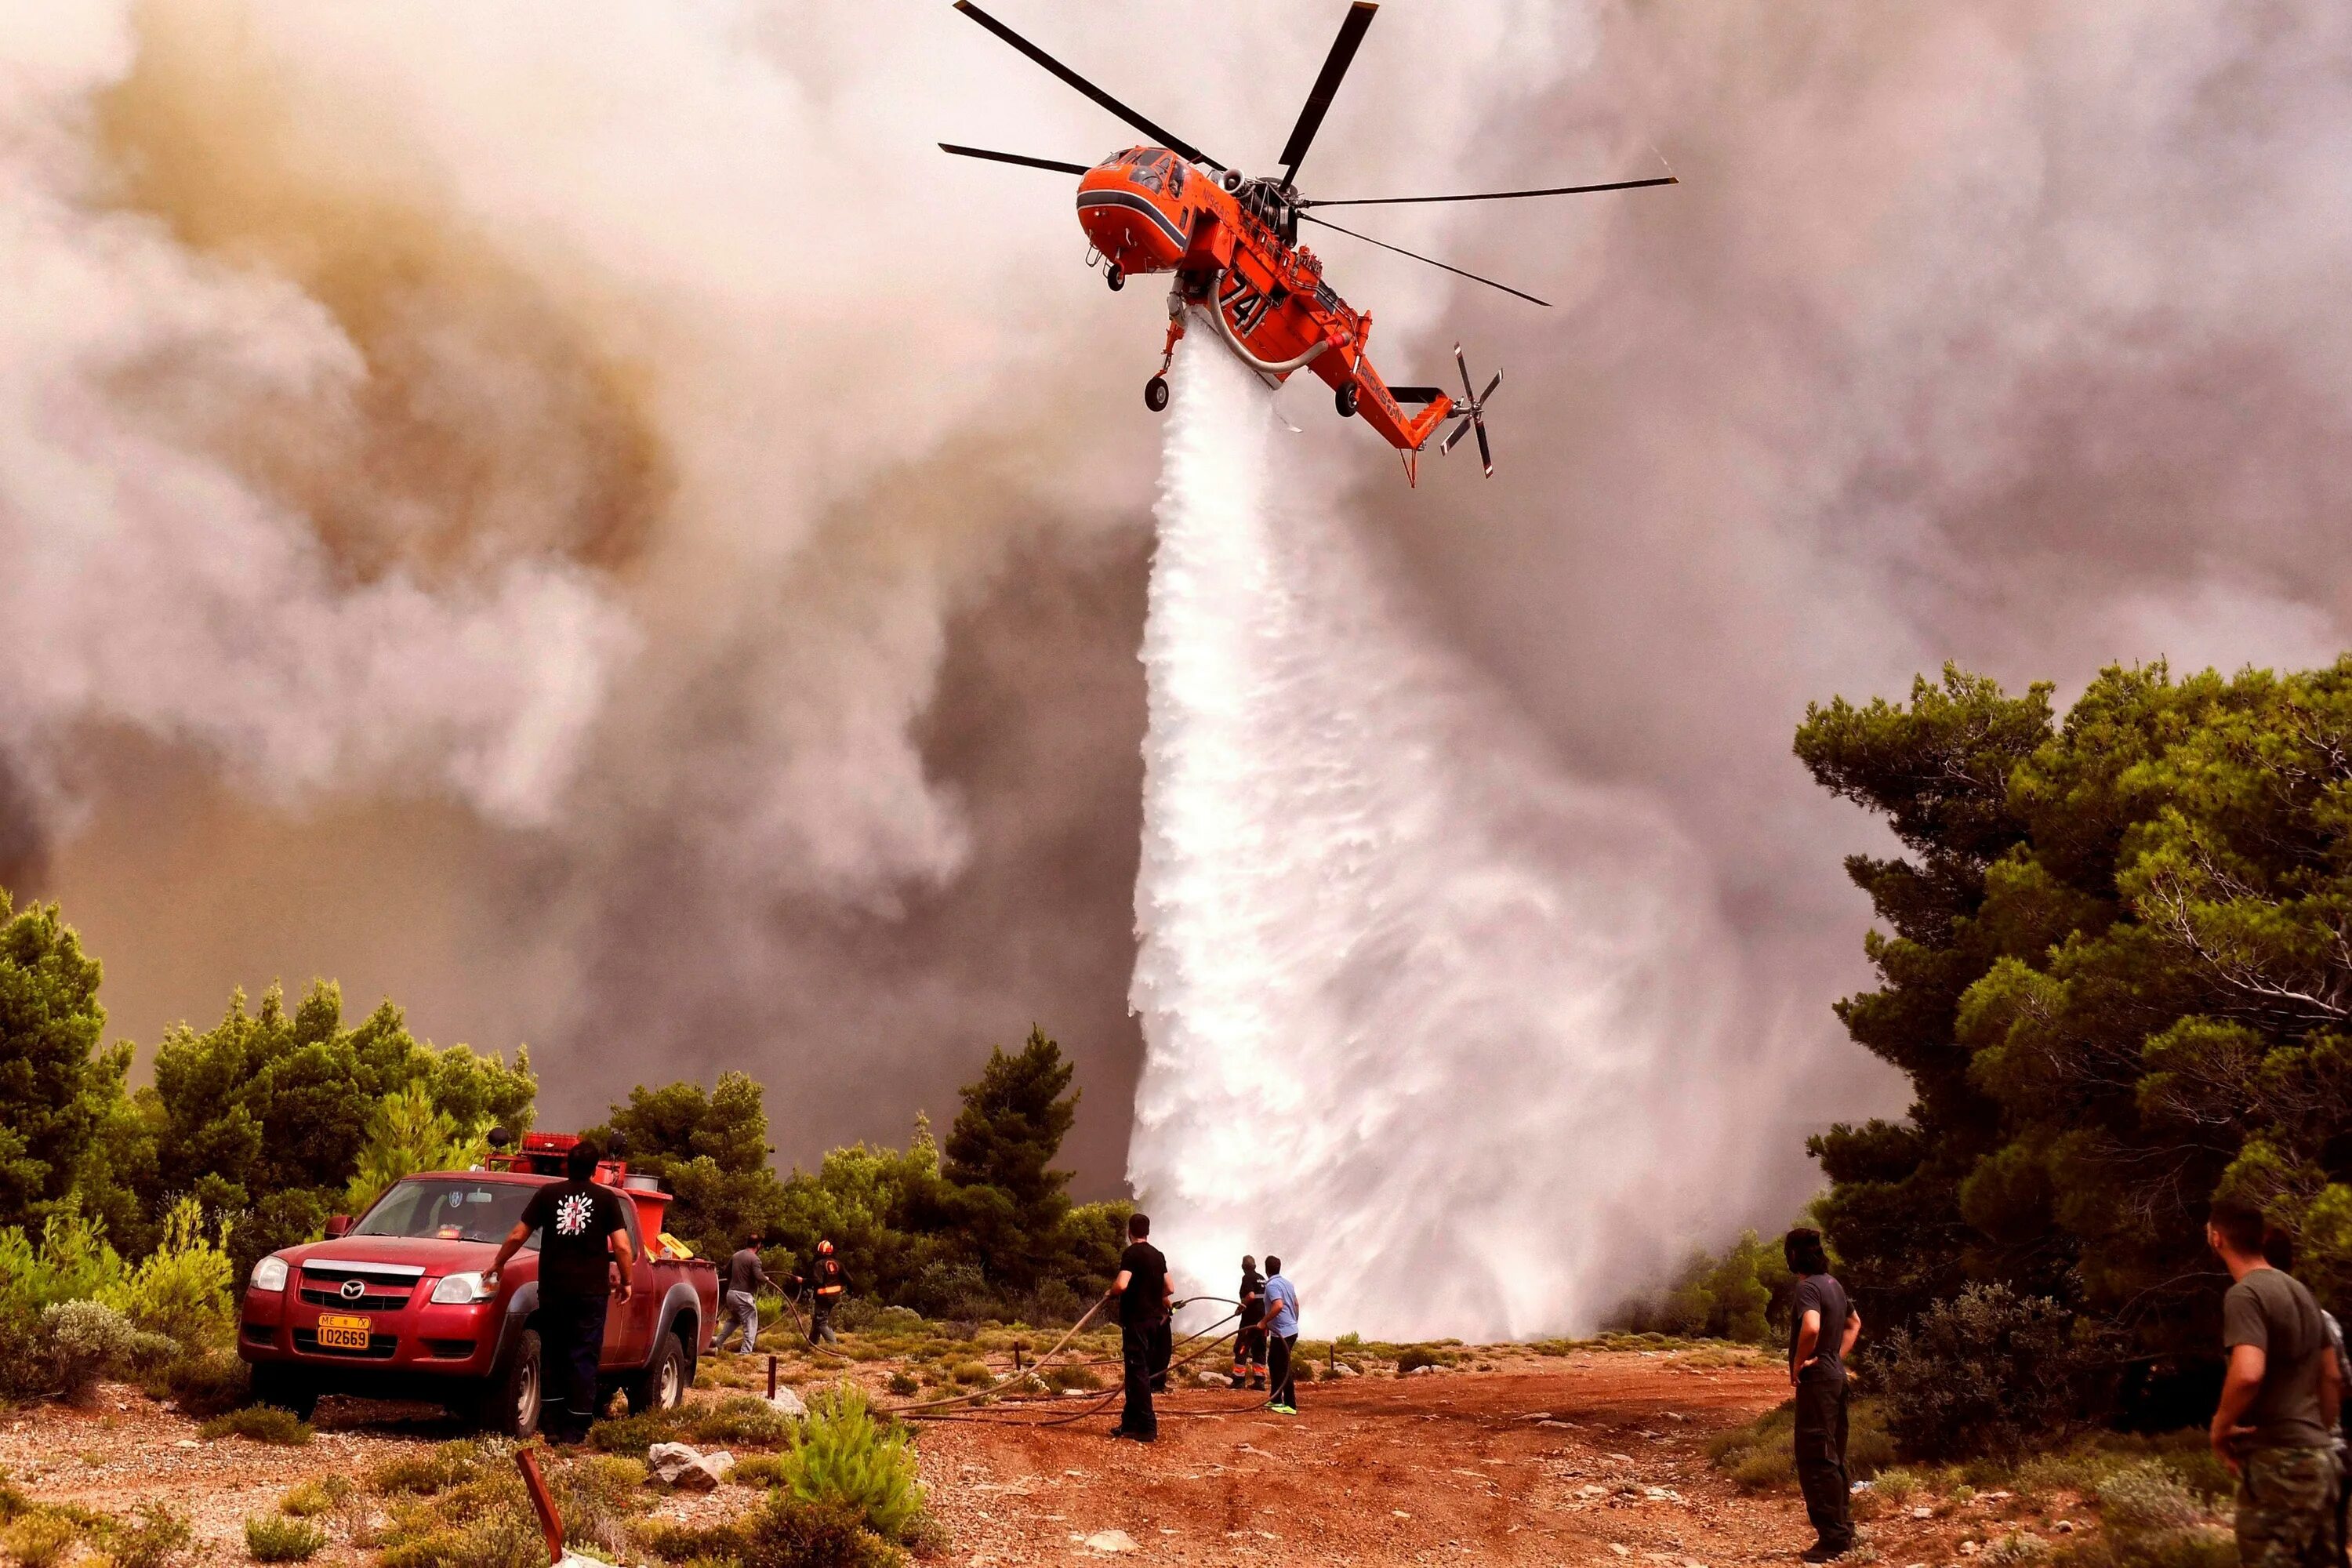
787, 1403
1111, 1541
1213, 1380
1923, 1514
681, 1466
1344, 1369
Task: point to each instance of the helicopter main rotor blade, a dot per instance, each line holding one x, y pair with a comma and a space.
1486, 453
1164, 138
1456, 439
1054, 164
1496, 195
1429, 260
1327, 87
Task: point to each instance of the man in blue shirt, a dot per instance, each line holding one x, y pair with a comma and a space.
1281, 1338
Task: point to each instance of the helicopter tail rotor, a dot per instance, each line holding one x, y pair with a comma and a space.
1473, 414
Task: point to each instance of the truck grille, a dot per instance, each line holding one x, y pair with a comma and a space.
379, 1346
368, 1302
325, 1288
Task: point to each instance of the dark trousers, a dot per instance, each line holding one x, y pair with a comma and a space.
1135, 1353
1278, 1355
571, 1341
1820, 1460
821, 1320
1163, 1350
1249, 1352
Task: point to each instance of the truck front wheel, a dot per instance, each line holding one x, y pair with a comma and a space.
287, 1389
511, 1407
662, 1385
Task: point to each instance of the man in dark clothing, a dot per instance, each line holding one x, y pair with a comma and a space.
583, 1233
1249, 1340
2281, 1399
740, 1298
1823, 1327
1143, 1291
826, 1286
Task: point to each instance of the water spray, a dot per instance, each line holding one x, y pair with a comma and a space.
1422, 1014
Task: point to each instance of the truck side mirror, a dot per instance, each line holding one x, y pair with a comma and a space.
338, 1225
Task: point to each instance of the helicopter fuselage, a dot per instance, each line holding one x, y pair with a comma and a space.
1232, 243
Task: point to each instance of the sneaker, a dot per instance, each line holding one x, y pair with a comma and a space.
1822, 1552
1284, 1409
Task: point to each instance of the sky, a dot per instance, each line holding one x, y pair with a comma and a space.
577, 517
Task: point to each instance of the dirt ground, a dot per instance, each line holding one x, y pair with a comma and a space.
1594, 1457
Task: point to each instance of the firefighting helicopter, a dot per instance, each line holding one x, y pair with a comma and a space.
1232, 241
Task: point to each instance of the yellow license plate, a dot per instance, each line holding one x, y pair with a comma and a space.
341, 1332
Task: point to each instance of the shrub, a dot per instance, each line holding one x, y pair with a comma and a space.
1985, 1372
320, 1494
970, 1374
785, 1533
208, 1384
258, 1424
737, 1420
450, 1465
1762, 1455
41, 1538
842, 1456
902, 1384
633, 1435
2153, 1520
160, 1537
83, 1341
1071, 1376
759, 1470
1415, 1357
181, 1288
273, 1538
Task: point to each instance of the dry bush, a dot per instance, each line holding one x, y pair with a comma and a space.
273, 1538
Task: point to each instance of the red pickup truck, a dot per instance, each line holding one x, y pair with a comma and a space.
395, 1306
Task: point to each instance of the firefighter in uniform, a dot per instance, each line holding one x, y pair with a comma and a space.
826, 1282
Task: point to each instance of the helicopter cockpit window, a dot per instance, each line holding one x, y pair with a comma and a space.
1148, 170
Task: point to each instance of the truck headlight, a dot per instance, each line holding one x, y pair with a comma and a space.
269, 1274
462, 1289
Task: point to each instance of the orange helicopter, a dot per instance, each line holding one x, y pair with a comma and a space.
1232, 241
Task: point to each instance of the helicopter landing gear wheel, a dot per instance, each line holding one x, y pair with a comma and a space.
1116, 276
1344, 400
1155, 393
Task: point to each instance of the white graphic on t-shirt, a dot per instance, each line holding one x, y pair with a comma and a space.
573, 1214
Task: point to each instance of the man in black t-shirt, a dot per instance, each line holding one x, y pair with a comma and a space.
1143, 1292
582, 1231
1823, 1327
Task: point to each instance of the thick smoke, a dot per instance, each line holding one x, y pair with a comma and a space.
574, 515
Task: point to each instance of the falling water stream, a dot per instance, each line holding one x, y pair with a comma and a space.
1424, 1015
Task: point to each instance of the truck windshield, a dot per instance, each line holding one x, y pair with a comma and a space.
451, 1210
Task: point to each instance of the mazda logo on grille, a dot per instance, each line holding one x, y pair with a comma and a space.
354, 1288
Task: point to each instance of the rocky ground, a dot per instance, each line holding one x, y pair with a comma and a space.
1596, 1457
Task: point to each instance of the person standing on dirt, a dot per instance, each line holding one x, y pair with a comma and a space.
1143, 1291
1281, 1340
745, 1280
2281, 1399
581, 1234
1249, 1340
825, 1278
1823, 1327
